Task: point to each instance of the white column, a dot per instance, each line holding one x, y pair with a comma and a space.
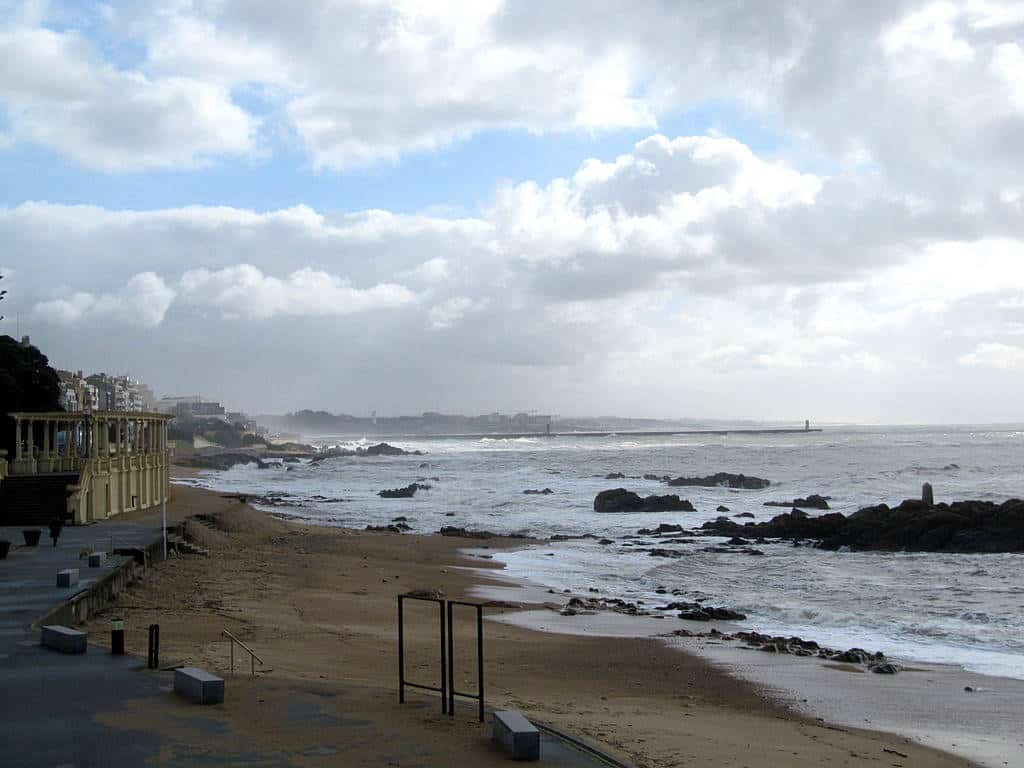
17, 439
29, 441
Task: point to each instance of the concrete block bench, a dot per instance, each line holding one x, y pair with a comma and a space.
96, 559
67, 578
63, 639
198, 685
516, 735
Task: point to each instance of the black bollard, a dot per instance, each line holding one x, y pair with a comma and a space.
117, 637
153, 659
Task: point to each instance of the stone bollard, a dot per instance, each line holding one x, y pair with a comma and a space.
927, 496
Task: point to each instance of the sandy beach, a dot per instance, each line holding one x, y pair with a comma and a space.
318, 604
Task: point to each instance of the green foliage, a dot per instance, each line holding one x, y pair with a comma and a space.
27, 383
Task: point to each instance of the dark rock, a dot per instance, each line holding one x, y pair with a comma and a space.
884, 668
621, 500
707, 613
814, 501
663, 528
744, 514
853, 656
722, 480
387, 528
722, 508
605, 542
380, 449
664, 553
221, 461
451, 530
615, 476
402, 493
661, 478
737, 541
534, 492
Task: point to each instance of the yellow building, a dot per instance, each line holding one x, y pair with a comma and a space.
102, 464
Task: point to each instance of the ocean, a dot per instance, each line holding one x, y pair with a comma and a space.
966, 610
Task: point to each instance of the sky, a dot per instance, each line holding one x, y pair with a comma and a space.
778, 211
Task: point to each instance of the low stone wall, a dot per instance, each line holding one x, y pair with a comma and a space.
97, 596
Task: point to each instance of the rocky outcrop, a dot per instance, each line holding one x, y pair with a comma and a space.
221, 461
402, 493
393, 528
535, 492
814, 501
621, 500
698, 612
913, 526
380, 449
463, 533
722, 480
663, 528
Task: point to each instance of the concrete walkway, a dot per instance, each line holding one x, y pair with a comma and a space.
55, 709
48, 701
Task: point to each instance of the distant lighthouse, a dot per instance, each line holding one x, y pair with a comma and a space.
807, 425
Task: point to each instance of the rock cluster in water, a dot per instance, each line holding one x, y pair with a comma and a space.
913, 526
876, 662
221, 461
464, 533
402, 493
380, 449
621, 500
814, 501
721, 480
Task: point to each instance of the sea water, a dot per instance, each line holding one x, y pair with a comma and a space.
961, 609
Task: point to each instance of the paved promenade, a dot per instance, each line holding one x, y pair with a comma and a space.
49, 698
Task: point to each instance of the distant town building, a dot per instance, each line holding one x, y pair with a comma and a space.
102, 392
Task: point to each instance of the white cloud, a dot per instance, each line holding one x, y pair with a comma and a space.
451, 312
59, 93
923, 91
689, 270
144, 299
995, 355
244, 291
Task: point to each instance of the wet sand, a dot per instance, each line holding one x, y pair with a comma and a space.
318, 604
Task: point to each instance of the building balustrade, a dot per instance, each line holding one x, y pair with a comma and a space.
122, 458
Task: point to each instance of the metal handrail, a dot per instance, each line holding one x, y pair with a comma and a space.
253, 658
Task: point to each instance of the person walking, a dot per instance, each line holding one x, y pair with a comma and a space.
56, 525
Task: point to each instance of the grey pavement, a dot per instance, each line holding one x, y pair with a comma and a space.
49, 698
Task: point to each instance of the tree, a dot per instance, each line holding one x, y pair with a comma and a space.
27, 383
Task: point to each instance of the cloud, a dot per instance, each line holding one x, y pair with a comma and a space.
244, 291
451, 312
58, 92
690, 270
926, 92
995, 355
144, 299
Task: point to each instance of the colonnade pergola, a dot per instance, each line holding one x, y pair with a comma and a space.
121, 458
